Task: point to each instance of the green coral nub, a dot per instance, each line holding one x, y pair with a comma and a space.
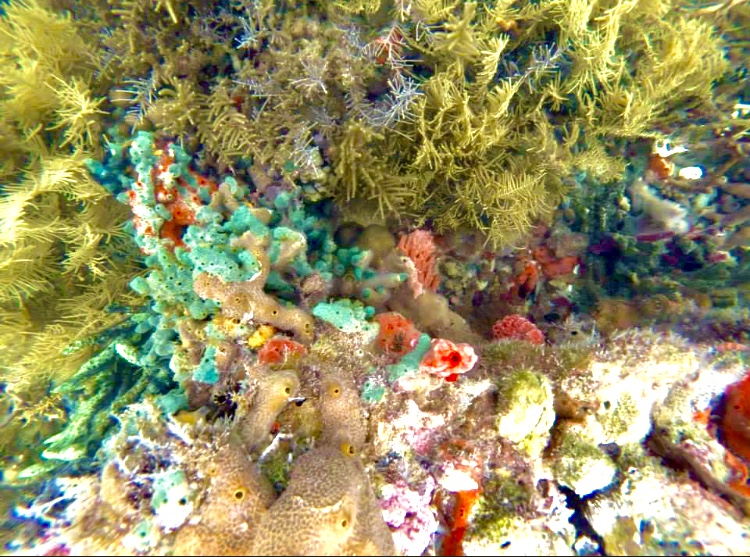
525, 412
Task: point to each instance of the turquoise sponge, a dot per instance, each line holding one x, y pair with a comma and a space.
348, 316
169, 284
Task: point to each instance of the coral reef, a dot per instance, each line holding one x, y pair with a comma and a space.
364, 278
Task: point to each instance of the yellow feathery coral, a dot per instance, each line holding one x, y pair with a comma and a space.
77, 113
363, 176
357, 6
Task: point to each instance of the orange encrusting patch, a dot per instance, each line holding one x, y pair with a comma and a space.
554, 266
397, 335
281, 350
458, 522
739, 474
702, 416
736, 421
730, 346
662, 168
735, 433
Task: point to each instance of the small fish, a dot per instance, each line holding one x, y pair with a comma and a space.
730, 346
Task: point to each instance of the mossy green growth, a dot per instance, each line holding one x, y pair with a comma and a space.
511, 355
525, 410
575, 357
498, 507
617, 422
581, 465
277, 467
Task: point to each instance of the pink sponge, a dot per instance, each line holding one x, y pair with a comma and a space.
419, 246
517, 327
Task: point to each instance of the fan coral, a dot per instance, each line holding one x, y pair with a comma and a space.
419, 246
517, 328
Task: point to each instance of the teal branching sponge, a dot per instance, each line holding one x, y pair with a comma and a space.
348, 316
223, 260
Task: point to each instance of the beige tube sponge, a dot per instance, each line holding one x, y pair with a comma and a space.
341, 412
271, 395
327, 509
248, 302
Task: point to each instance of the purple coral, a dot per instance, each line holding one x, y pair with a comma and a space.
409, 515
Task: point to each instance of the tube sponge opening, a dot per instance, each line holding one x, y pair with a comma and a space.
272, 394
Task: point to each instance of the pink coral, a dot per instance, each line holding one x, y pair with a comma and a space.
448, 360
408, 513
419, 246
517, 327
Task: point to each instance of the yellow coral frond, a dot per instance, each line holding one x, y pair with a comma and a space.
47, 37
357, 6
77, 113
490, 59
459, 41
25, 271
29, 101
68, 175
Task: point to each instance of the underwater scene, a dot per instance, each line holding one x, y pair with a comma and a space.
375, 277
